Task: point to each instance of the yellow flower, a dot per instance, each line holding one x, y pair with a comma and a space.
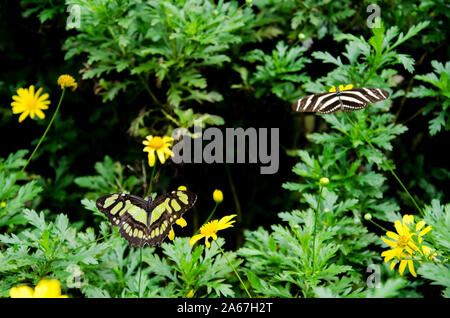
29, 102
404, 247
190, 294
21, 292
341, 88
46, 288
3, 204
67, 81
402, 239
324, 181
211, 228
159, 145
217, 196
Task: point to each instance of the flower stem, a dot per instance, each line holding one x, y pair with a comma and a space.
239, 277
210, 216
381, 227
387, 164
45, 133
314, 230
236, 200
140, 272
150, 185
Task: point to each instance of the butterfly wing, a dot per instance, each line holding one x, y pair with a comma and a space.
129, 212
140, 223
359, 98
348, 100
167, 209
312, 103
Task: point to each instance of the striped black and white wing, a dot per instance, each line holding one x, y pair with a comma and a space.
313, 103
359, 98
348, 100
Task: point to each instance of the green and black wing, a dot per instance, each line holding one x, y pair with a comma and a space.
142, 222
167, 209
127, 211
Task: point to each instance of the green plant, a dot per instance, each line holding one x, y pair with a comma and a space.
278, 73
197, 36
280, 262
13, 194
110, 179
203, 270
441, 93
438, 216
45, 10
46, 248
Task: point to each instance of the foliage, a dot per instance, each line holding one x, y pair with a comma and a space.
45, 10
46, 248
14, 194
281, 70
439, 79
438, 216
287, 251
203, 270
110, 179
124, 37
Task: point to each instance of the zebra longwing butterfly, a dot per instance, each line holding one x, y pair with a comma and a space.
340, 100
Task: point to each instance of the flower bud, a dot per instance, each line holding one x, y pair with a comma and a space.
324, 181
218, 196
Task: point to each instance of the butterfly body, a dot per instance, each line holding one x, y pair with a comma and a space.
145, 222
340, 100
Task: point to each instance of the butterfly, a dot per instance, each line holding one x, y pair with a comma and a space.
145, 222
340, 100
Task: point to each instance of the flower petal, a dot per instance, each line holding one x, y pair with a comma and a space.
225, 222
389, 242
393, 265
402, 266
23, 116
389, 254
21, 292
161, 156
425, 231
398, 227
167, 139
40, 114
195, 238
151, 158
420, 225
392, 235
47, 288
349, 86
411, 268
